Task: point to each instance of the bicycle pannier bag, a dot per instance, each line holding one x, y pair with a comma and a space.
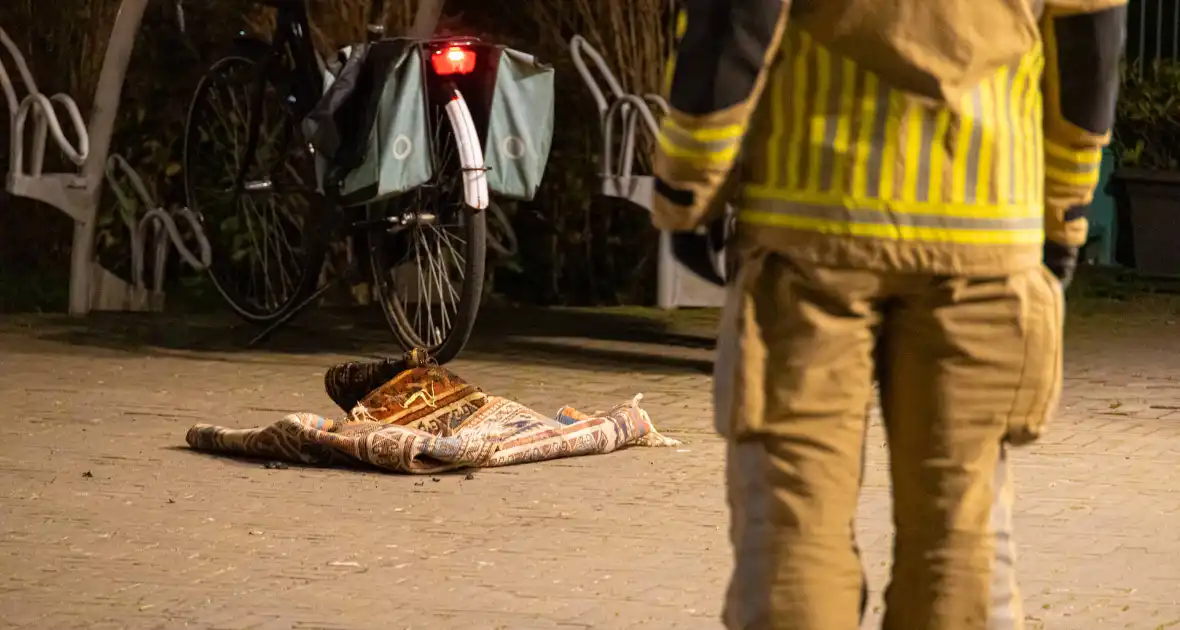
520, 125
370, 128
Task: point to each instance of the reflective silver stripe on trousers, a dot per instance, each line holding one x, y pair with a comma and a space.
1007, 612
725, 365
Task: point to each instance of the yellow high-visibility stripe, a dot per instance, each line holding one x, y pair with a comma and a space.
819, 116
1028, 146
889, 153
834, 199
1033, 128
962, 155
669, 72
1091, 157
913, 152
1039, 145
987, 140
942, 123
1052, 161
864, 136
1003, 137
670, 65
705, 134
994, 149
697, 155
798, 131
1020, 130
774, 157
844, 123
895, 232
1032, 117
1074, 178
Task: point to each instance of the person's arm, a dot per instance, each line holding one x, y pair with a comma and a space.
717, 75
1083, 49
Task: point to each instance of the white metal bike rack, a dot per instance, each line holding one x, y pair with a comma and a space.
677, 286
78, 193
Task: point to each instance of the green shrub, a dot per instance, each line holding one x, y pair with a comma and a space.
1147, 129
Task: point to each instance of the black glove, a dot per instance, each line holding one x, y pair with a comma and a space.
1062, 260
698, 250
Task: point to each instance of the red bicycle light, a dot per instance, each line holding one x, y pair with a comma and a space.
453, 60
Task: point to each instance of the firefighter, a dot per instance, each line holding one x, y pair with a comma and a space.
909, 180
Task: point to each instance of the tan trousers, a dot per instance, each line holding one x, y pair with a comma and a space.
965, 365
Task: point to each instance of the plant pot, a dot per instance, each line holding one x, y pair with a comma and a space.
1153, 209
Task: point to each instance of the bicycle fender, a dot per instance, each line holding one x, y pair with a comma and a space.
475, 176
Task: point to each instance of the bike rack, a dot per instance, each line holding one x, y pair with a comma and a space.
79, 193
163, 224
677, 286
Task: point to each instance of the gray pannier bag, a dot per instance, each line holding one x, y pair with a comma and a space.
520, 125
370, 128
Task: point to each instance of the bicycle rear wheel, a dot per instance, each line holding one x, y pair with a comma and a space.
428, 256
264, 219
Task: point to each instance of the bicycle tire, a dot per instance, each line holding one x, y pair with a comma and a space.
474, 229
313, 235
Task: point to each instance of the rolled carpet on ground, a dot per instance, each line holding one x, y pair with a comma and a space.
426, 419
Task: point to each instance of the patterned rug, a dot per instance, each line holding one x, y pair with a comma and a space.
426, 419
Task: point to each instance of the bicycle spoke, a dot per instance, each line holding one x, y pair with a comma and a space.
260, 258
262, 253
438, 273
422, 296
444, 280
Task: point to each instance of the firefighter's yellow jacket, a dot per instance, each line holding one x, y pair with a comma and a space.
944, 137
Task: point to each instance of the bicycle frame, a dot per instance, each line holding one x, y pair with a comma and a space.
290, 41
376, 27
292, 35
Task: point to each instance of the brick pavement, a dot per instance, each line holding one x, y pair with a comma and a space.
108, 522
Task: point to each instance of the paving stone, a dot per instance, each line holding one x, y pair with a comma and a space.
108, 521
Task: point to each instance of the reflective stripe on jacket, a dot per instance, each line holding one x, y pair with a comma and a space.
947, 137
845, 153
716, 76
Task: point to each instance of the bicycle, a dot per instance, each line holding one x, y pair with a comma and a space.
271, 274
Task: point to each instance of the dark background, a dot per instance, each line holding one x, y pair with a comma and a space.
574, 248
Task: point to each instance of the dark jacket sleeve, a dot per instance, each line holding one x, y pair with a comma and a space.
1083, 42
716, 77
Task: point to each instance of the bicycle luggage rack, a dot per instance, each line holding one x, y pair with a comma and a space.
79, 193
677, 286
